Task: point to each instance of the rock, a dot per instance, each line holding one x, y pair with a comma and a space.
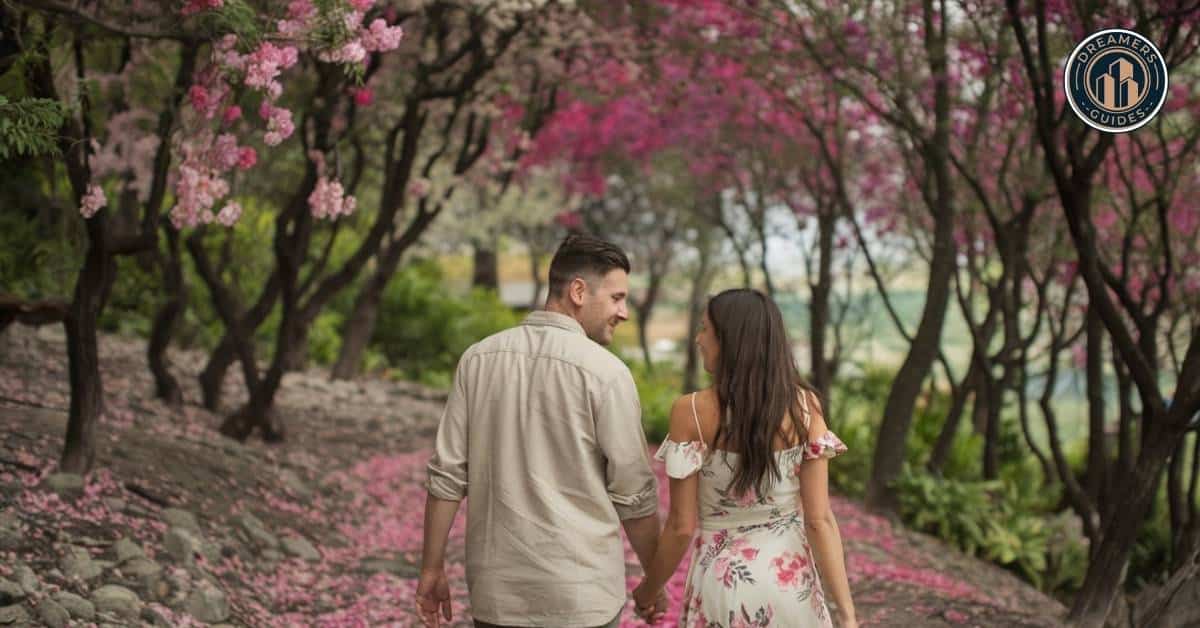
272, 556
15, 614
300, 547
141, 567
10, 531
53, 614
151, 616
115, 504
27, 579
78, 564
293, 482
78, 607
257, 531
116, 599
66, 485
10, 538
10, 592
208, 604
126, 550
180, 518
182, 546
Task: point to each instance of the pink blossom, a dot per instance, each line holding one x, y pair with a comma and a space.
247, 157
265, 64
420, 187
279, 123
92, 201
198, 95
229, 213
195, 6
362, 5
224, 154
349, 52
232, 112
380, 37
328, 200
363, 96
301, 9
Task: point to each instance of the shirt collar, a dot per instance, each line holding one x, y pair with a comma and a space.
553, 319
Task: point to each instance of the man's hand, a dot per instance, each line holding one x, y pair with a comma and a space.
648, 606
433, 592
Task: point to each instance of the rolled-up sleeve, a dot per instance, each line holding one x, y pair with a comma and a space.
632, 485
447, 468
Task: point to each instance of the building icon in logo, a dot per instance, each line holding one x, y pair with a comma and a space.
1116, 80
1117, 88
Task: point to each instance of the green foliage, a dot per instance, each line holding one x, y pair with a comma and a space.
29, 126
658, 388
325, 337
422, 330
1000, 520
37, 261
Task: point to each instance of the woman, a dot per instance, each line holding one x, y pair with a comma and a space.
748, 461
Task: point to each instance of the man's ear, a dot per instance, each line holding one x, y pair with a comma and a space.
576, 290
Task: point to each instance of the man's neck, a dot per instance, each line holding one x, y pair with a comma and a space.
558, 308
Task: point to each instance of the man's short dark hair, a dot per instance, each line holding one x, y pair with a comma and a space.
583, 256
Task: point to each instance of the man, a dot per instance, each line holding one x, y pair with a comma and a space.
543, 428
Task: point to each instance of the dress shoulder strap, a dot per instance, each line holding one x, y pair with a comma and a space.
804, 408
696, 416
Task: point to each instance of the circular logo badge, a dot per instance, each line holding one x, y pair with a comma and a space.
1115, 80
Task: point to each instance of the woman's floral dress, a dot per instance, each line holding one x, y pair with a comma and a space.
751, 563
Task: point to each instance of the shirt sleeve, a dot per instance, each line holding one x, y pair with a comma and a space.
447, 468
631, 483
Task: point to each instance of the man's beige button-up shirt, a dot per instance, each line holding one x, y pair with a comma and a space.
543, 429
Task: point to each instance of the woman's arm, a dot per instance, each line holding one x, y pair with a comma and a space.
822, 529
680, 526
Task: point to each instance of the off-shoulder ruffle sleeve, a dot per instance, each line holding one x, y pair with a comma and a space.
826, 445
683, 459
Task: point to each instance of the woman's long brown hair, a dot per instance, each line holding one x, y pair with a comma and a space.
757, 383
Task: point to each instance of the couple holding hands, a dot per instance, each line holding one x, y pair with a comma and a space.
542, 428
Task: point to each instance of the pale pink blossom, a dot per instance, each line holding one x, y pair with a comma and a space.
349, 52
229, 213
380, 37
224, 154
92, 201
329, 200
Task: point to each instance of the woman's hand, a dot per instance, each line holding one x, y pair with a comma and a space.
649, 606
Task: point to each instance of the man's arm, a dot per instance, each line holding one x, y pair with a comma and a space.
632, 485
447, 486
643, 536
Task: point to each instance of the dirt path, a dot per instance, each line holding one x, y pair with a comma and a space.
321, 530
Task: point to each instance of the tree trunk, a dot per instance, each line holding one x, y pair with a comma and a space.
359, 327
83, 365
486, 266
1106, 570
892, 446
945, 440
696, 304
1097, 457
166, 387
822, 372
